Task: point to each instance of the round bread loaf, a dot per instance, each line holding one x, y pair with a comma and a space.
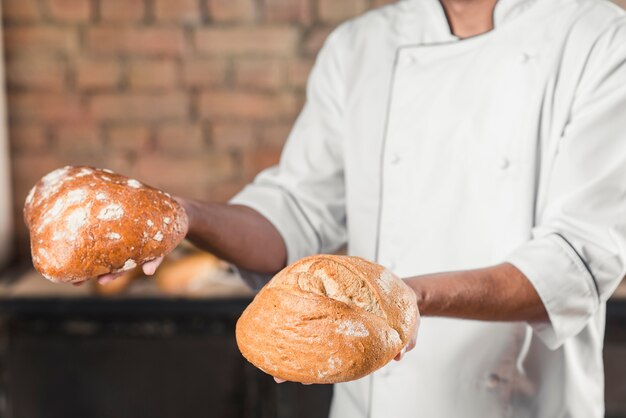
84, 222
178, 277
327, 319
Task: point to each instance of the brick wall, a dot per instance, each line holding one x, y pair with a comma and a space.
194, 96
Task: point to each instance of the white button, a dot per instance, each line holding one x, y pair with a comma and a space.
524, 57
395, 159
503, 163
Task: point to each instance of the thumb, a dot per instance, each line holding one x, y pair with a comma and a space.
151, 266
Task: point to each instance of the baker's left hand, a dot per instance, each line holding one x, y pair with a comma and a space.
411, 344
148, 268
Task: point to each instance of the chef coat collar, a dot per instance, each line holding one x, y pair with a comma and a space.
413, 28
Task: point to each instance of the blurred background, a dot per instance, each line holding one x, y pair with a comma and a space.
192, 96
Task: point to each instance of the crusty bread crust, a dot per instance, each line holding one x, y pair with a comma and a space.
327, 319
84, 222
176, 277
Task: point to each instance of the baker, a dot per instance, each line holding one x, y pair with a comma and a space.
477, 149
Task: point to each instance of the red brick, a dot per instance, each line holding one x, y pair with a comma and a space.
222, 192
36, 74
300, 99
259, 73
93, 74
204, 168
69, 10
20, 10
152, 74
45, 107
78, 139
185, 11
274, 136
379, 3
28, 168
40, 39
27, 138
136, 41
247, 106
298, 71
315, 40
231, 10
126, 138
257, 160
182, 138
139, 106
274, 40
122, 10
291, 11
333, 11
93, 158
119, 162
204, 72
227, 136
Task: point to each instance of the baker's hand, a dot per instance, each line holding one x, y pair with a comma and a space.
411, 344
278, 380
148, 269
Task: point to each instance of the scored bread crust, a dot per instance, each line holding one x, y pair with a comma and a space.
327, 319
85, 222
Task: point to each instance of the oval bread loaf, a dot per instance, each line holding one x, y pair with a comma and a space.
84, 222
327, 319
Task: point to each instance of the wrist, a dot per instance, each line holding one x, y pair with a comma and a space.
189, 211
421, 295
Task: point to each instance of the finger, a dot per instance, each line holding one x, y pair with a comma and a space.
412, 343
108, 278
399, 356
151, 266
413, 340
278, 380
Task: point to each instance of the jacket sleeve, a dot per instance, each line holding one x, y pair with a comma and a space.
577, 255
303, 196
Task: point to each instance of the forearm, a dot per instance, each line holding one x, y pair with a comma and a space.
237, 234
498, 293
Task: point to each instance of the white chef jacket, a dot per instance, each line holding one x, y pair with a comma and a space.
427, 153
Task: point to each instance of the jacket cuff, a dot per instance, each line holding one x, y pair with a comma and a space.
564, 283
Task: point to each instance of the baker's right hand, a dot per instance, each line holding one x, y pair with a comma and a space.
148, 269
279, 380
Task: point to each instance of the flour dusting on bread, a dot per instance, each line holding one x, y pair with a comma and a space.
352, 328
327, 319
84, 222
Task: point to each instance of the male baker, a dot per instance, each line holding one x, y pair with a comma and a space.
477, 148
